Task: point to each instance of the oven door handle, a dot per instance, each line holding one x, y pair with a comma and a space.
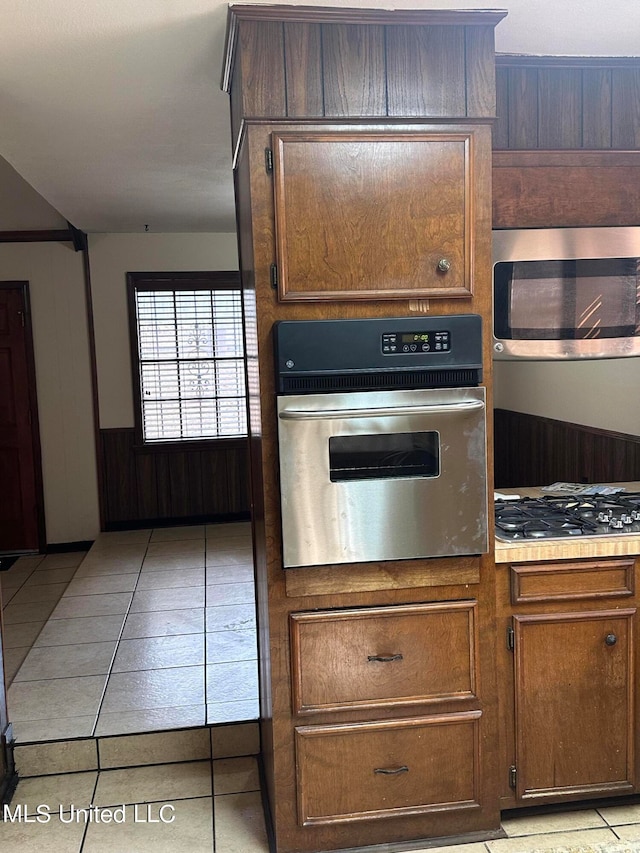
394, 411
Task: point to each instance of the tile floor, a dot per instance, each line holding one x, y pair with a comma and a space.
150, 629
205, 806
104, 643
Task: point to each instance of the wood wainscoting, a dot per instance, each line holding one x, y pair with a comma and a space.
152, 485
535, 451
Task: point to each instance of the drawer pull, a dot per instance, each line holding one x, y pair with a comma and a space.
384, 658
391, 771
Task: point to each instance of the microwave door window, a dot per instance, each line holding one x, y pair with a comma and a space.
380, 457
561, 300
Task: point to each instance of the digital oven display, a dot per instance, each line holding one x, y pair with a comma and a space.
394, 343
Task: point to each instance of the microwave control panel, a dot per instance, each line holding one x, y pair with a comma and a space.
406, 343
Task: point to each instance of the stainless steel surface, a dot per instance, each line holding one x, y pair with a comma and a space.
332, 414
392, 518
546, 244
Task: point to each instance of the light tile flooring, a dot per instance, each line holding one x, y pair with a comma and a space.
205, 806
151, 629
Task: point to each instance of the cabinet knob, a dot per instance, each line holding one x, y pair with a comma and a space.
444, 265
611, 639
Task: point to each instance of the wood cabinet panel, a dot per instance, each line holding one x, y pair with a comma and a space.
559, 108
574, 704
481, 71
388, 769
303, 69
434, 56
596, 108
625, 107
550, 103
353, 59
543, 189
571, 581
523, 108
261, 57
385, 656
413, 191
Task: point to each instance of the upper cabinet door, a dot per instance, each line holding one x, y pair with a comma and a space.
375, 215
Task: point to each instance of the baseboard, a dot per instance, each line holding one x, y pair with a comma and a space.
64, 547
141, 524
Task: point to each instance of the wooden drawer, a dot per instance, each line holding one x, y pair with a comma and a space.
382, 656
572, 581
387, 769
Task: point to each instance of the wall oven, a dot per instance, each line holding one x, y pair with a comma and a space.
382, 445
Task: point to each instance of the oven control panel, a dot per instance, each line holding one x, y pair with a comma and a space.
406, 343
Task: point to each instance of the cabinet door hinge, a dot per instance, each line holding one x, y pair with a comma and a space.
511, 639
513, 774
273, 273
268, 160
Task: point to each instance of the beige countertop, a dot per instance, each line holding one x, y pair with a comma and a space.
589, 547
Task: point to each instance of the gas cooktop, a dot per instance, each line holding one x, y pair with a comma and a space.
552, 517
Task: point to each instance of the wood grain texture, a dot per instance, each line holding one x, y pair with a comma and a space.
414, 191
582, 747
353, 61
375, 657
341, 768
537, 189
572, 581
566, 452
567, 102
303, 70
152, 484
560, 108
426, 71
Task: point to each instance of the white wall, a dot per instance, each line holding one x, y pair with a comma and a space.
111, 257
598, 393
61, 347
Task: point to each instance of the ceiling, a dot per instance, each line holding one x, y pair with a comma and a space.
112, 116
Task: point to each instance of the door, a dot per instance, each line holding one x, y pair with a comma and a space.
382, 475
376, 215
21, 502
574, 702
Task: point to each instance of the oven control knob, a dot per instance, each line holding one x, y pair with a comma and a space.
626, 519
616, 523
605, 517
444, 265
498, 347
289, 363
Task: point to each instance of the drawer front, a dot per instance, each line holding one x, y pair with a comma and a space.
383, 656
387, 769
572, 581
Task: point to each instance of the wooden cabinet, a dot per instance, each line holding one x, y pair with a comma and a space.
570, 686
365, 214
391, 768
362, 157
384, 656
401, 659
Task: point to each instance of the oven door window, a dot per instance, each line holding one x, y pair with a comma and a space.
382, 457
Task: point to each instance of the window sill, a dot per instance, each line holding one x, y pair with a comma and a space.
189, 445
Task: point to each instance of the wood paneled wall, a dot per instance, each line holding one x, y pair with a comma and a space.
533, 451
357, 62
147, 485
559, 103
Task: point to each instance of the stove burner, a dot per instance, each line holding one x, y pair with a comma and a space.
552, 517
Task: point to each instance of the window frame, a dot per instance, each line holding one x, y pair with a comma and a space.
206, 280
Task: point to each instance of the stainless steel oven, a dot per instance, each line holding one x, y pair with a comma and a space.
394, 472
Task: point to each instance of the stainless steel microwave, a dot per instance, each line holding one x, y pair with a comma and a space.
566, 293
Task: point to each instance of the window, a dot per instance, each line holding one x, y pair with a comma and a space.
188, 356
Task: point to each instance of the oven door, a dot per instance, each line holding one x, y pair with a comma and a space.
382, 475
